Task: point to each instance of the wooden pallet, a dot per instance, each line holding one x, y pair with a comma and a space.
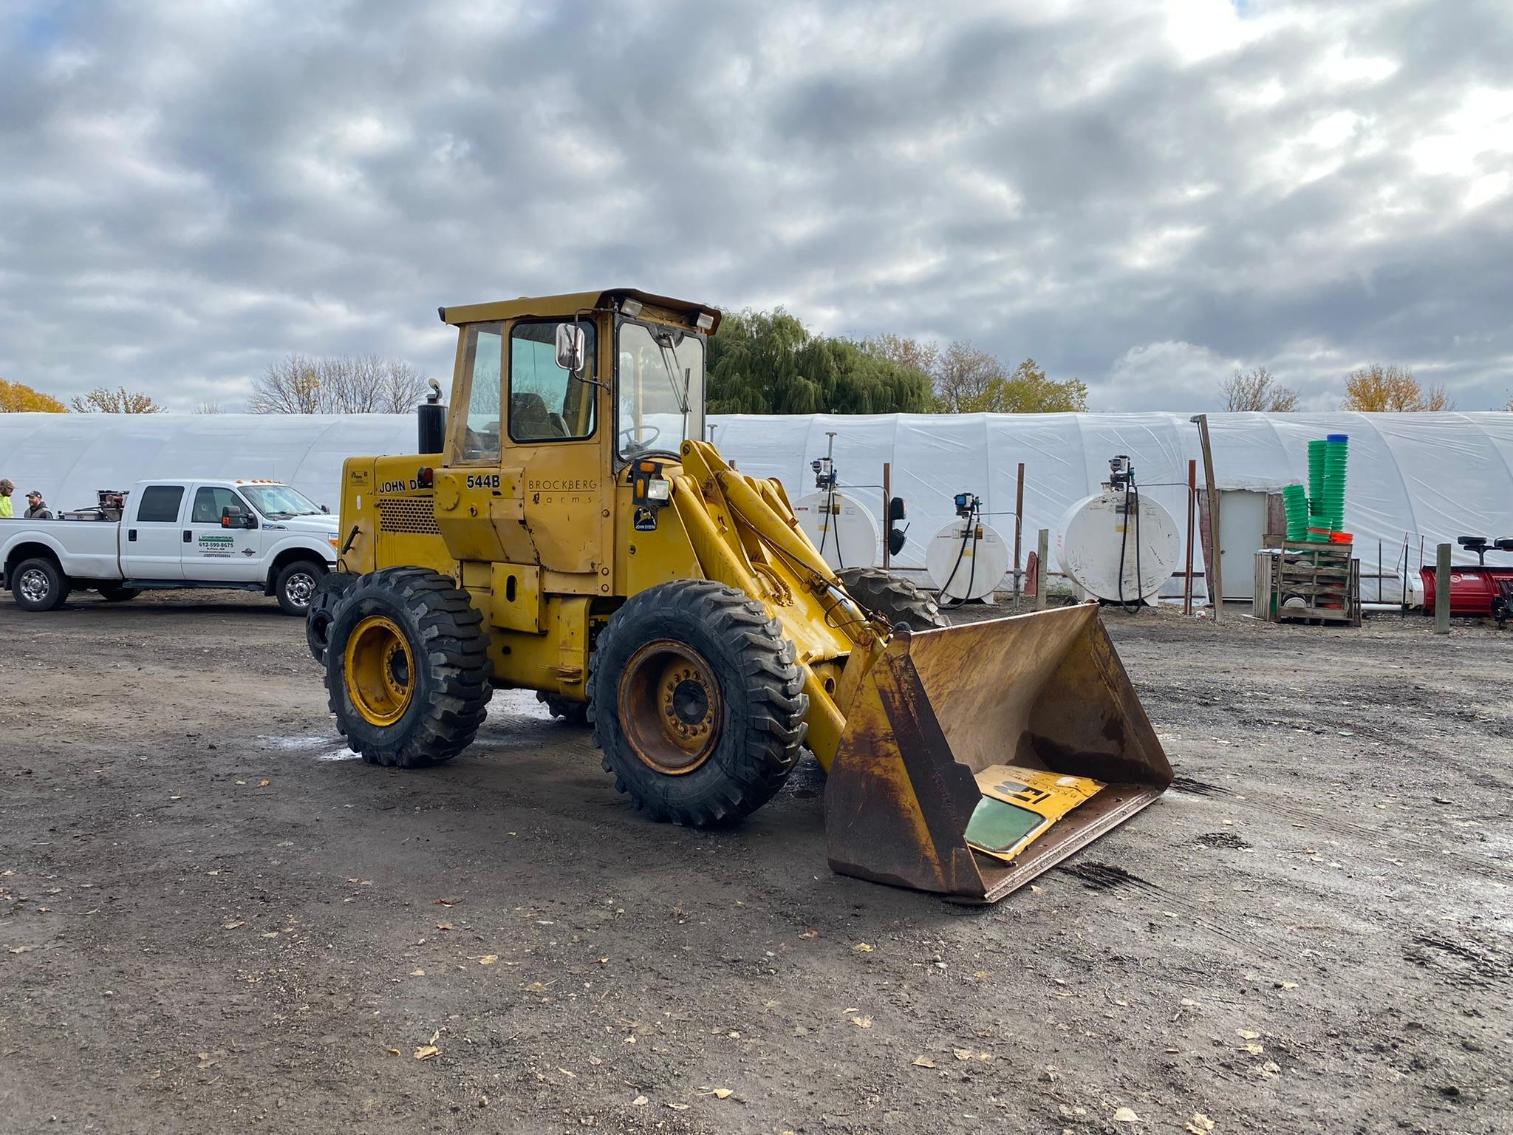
1326, 577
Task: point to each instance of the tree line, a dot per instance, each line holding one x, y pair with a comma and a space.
768, 362
1374, 389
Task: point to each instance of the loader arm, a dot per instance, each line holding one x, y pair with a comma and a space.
964, 760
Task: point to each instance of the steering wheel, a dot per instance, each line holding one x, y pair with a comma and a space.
632, 442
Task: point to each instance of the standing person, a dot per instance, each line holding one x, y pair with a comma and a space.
36, 507
7, 509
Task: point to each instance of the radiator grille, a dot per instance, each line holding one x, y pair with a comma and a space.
408, 514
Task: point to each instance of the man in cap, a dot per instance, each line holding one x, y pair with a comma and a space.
36, 507
7, 509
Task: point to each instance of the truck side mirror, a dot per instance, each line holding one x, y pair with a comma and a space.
572, 345
233, 517
895, 541
325, 508
896, 509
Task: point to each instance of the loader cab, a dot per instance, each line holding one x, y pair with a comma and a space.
553, 399
621, 370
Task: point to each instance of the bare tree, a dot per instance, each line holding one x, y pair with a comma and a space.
208, 407
1259, 390
963, 376
906, 352
344, 385
118, 401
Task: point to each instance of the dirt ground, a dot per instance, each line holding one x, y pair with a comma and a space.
213, 919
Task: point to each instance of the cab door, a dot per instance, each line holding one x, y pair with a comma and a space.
554, 436
214, 552
153, 535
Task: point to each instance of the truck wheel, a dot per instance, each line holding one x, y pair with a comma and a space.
119, 594
407, 670
896, 599
329, 592
295, 585
572, 712
39, 585
696, 702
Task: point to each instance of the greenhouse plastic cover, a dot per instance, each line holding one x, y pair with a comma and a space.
1411, 476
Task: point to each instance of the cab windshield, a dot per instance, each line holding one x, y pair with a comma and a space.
659, 395
280, 502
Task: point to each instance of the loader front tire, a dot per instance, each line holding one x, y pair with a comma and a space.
894, 598
697, 703
407, 671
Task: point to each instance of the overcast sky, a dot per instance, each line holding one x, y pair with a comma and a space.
1142, 194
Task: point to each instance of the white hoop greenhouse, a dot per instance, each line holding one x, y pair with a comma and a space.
1413, 477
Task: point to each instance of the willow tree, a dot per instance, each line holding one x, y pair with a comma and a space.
767, 362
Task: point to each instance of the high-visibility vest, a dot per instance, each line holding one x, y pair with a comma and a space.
6, 509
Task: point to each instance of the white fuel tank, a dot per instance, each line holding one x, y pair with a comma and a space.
1101, 532
840, 527
966, 560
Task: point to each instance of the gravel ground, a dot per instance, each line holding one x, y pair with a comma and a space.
212, 918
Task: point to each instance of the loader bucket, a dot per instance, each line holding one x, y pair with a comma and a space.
977, 756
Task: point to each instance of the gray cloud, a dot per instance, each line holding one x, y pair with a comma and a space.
1144, 195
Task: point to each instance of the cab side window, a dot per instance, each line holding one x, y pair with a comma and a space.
483, 351
548, 402
160, 504
208, 502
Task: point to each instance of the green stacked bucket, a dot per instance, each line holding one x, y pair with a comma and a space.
1336, 453
1295, 502
1317, 451
1319, 516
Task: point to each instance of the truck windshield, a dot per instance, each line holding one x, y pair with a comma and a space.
659, 394
279, 502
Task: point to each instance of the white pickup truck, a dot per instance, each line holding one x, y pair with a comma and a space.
175, 533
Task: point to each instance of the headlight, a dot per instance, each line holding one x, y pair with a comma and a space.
658, 490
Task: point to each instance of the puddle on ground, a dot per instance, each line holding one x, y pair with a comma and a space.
321, 746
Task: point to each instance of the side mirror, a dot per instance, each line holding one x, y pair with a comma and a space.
325, 508
895, 541
572, 345
233, 517
896, 509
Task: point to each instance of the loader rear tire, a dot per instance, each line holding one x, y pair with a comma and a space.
697, 703
896, 599
407, 670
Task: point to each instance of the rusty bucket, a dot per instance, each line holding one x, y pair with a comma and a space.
977, 756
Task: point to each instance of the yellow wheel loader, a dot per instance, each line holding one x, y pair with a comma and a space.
566, 529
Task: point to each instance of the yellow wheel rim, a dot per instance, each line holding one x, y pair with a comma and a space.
380, 670
670, 707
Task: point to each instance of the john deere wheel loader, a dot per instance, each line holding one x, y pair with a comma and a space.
569, 531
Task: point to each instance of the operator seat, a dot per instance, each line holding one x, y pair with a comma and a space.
530, 420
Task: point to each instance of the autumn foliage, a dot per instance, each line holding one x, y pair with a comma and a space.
1377, 389
17, 398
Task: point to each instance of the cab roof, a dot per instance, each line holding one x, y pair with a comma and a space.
682, 311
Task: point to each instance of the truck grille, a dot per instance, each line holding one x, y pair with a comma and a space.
408, 514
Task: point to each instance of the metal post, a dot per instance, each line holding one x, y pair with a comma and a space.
1442, 590
1018, 530
1212, 572
1192, 532
887, 497
1042, 576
